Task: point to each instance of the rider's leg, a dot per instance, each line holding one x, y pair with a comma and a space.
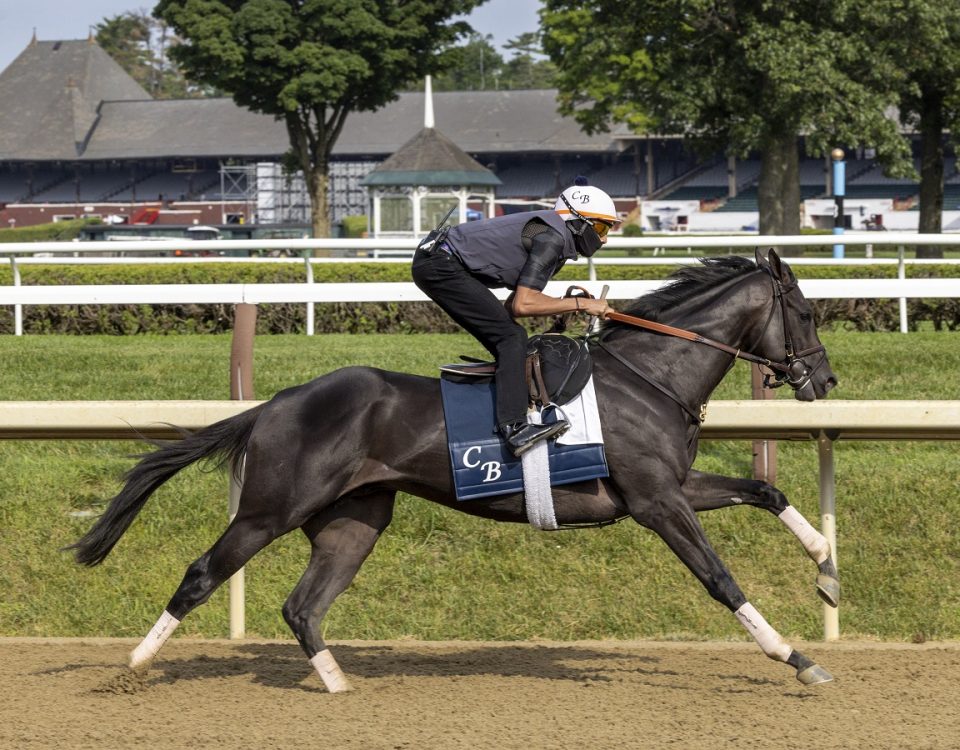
465, 299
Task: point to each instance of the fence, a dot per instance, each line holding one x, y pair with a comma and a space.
310, 293
822, 421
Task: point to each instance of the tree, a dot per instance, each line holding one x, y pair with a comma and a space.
140, 44
734, 75
527, 69
473, 66
930, 96
310, 63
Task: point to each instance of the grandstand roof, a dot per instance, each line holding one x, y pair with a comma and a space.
430, 158
477, 121
106, 115
50, 94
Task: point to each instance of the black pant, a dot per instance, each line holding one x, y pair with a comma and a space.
474, 307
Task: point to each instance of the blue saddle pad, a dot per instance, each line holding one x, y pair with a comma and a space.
483, 466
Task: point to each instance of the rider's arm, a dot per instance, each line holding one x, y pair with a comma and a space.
542, 263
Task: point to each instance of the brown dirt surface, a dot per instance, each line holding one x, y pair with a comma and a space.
77, 693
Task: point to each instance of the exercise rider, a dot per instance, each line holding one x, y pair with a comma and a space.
522, 252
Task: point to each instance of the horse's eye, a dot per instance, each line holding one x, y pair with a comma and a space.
806, 317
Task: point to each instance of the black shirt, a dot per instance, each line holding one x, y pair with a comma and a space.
544, 247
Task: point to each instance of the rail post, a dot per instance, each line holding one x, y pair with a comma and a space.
17, 309
311, 324
764, 451
902, 275
241, 388
828, 521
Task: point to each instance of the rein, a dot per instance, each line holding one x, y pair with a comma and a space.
787, 368
682, 333
793, 370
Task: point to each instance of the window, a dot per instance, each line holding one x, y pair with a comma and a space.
434, 208
396, 214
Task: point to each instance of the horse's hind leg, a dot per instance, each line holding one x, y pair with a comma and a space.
341, 537
712, 491
243, 538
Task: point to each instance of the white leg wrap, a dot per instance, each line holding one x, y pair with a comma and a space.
143, 654
766, 637
330, 672
813, 541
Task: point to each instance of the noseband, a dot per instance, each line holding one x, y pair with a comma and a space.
793, 370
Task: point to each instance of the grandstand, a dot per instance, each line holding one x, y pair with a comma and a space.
85, 139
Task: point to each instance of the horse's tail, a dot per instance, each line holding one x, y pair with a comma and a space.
226, 439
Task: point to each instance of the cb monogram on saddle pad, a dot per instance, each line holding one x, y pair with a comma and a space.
491, 469
481, 463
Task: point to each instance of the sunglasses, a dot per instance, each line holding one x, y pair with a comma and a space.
601, 228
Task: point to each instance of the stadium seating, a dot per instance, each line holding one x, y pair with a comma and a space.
620, 181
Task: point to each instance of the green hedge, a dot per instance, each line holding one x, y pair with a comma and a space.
865, 315
60, 231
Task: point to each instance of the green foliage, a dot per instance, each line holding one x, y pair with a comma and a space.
354, 226
375, 317
929, 93
473, 66
477, 66
59, 231
739, 76
311, 64
440, 574
139, 44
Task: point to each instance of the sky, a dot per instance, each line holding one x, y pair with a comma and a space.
73, 19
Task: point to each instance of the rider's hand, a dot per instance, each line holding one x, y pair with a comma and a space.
598, 307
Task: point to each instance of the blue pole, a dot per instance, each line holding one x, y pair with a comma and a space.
839, 191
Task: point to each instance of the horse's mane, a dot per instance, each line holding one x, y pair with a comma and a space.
687, 282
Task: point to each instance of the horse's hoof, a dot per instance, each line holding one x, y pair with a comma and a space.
815, 675
828, 588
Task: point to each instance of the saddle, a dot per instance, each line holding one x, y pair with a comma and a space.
557, 367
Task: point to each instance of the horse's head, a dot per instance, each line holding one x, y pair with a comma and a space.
799, 359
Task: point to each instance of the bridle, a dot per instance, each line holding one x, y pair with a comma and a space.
794, 370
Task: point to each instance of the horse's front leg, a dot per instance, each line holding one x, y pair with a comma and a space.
711, 491
664, 509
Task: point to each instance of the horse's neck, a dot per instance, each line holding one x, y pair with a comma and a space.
735, 316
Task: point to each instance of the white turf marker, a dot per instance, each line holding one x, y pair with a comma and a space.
813, 541
766, 637
330, 672
143, 654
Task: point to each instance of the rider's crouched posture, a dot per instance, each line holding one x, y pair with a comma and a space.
521, 252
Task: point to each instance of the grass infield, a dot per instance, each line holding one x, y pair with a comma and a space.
438, 574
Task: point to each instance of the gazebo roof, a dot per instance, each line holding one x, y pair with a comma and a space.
430, 159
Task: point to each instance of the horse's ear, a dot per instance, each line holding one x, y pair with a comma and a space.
776, 267
761, 258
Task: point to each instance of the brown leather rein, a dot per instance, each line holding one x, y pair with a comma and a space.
696, 337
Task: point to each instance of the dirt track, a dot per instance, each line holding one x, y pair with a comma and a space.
255, 694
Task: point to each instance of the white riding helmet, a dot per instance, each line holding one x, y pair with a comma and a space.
588, 201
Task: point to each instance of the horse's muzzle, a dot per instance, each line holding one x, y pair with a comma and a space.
816, 384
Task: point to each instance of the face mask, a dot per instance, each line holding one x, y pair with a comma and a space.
585, 237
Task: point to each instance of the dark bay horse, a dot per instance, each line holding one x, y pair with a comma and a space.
329, 456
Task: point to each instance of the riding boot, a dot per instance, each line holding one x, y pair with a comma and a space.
522, 436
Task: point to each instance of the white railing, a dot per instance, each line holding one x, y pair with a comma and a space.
822, 421
310, 293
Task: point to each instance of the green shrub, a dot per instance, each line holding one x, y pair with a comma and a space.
59, 231
354, 226
377, 317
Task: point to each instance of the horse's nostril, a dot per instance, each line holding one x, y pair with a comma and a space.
830, 384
